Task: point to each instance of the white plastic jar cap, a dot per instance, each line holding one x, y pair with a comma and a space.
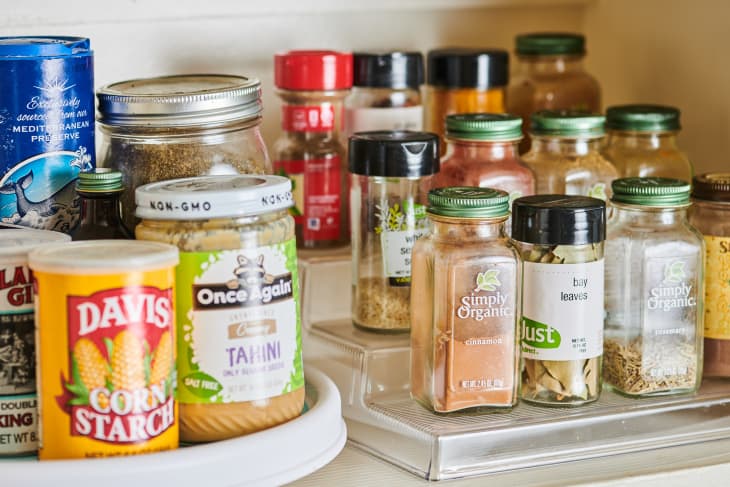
16, 243
103, 257
206, 197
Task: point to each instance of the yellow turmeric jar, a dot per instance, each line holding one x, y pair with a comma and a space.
239, 328
104, 340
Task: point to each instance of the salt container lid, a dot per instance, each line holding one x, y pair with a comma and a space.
17, 243
44, 46
205, 197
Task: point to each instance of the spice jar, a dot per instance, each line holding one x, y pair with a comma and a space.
560, 239
654, 290
464, 81
390, 177
642, 142
312, 86
565, 154
385, 93
178, 126
482, 151
709, 213
550, 76
465, 302
239, 364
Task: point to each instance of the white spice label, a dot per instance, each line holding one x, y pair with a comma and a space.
399, 118
562, 311
400, 225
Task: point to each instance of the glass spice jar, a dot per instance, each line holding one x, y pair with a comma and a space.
710, 214
654, 290
566, 157
101, 211
642, 142
390, 177
239, 348
385, 93
550, 76
171, 127
465, 302
464, 80
313, 86
560, 239
482, 151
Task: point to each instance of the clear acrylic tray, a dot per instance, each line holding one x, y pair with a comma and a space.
371, 372
326, 283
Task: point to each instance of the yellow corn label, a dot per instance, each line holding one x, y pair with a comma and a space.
717, 288
106, 344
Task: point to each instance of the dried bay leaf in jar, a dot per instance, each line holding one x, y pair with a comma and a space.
561, 240
465, 304
654, 290
237, 308
170, 127
390, 175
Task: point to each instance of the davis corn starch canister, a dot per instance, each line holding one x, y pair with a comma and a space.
18, 412
105, 342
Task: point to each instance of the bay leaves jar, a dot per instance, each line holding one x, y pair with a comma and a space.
239, 353
465, 302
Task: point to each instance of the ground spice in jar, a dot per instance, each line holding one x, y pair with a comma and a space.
465, 294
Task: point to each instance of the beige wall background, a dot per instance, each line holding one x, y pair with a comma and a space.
660, 51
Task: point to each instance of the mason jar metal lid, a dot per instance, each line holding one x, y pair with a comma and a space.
181, 100
643, 118
44, 47
103, 257
395, 154
468, 202
100, 180
566, 123
557, 219
550, 43
17, 243
484, 126
714, 186
650, 191
205, 197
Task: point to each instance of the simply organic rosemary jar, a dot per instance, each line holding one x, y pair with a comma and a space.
560, 239
180, 126
239, 354
654, 290
465, 304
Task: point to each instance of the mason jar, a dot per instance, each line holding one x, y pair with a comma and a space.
654, 290
560, 239
170, 127
390, 175
465, 304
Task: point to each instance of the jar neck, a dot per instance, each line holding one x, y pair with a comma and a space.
569, 146
557, 64
637, 215
467, 229
643, 140
315, 114
101, 208
483, 150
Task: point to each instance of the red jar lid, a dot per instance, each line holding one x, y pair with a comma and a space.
313, 70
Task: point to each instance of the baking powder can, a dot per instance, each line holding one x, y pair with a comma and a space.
106, 346
46, 128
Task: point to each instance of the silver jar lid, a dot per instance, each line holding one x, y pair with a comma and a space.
181, 100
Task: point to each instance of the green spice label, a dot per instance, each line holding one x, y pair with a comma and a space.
239, 329
399, 226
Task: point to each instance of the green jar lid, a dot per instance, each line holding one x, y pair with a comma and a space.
550, 44
100, 180
468, 202
566, 123
643, 118
484, 126
651, 191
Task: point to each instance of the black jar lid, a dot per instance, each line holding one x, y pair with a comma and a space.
552, 219
398, 69
395, 154
714, 186
468, 68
